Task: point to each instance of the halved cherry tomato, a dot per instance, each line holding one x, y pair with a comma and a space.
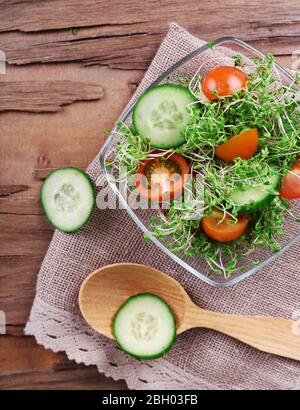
162, 178
243, 145
290, 188
225, 231
223, 81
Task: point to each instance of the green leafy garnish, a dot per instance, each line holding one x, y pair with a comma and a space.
238, 60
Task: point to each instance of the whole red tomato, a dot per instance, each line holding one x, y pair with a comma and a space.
223, 82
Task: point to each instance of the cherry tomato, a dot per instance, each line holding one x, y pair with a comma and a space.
225, 231
243, 145
223, 81
290, 188
162, 178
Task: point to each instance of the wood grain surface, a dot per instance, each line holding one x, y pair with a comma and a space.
125, 34
45, 96
56, 41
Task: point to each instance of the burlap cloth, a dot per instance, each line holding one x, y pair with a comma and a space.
200, 359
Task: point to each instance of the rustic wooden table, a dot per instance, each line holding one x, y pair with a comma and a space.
71, 68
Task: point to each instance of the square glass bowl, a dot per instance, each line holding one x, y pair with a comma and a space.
200, 61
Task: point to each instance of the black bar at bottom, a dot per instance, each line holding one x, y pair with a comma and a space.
104, 399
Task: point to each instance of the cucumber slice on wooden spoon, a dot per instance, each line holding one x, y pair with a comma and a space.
106, 290
145, 326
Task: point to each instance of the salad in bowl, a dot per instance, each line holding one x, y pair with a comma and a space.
217, 156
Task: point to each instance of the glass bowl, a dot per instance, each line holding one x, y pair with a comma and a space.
200, 61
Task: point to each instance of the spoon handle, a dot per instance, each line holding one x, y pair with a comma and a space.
268, 334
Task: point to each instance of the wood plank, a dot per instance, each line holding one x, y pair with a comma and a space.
28, 355
18, 276
129, 52
24, 236
20, 199
7, 190
45, 96
81, 378
34, 367
55, 14
23, 199
32, 15
129, 39
76, 379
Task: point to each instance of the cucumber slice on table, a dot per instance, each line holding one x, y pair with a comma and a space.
144, 326
160, 115
67, 196
254, 198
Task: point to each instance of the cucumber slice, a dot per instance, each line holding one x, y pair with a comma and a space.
144, 326
254, 198
160, 115
67, 197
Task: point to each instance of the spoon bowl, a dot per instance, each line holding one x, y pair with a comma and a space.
104, 291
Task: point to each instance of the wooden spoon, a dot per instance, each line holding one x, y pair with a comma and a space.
105, 290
